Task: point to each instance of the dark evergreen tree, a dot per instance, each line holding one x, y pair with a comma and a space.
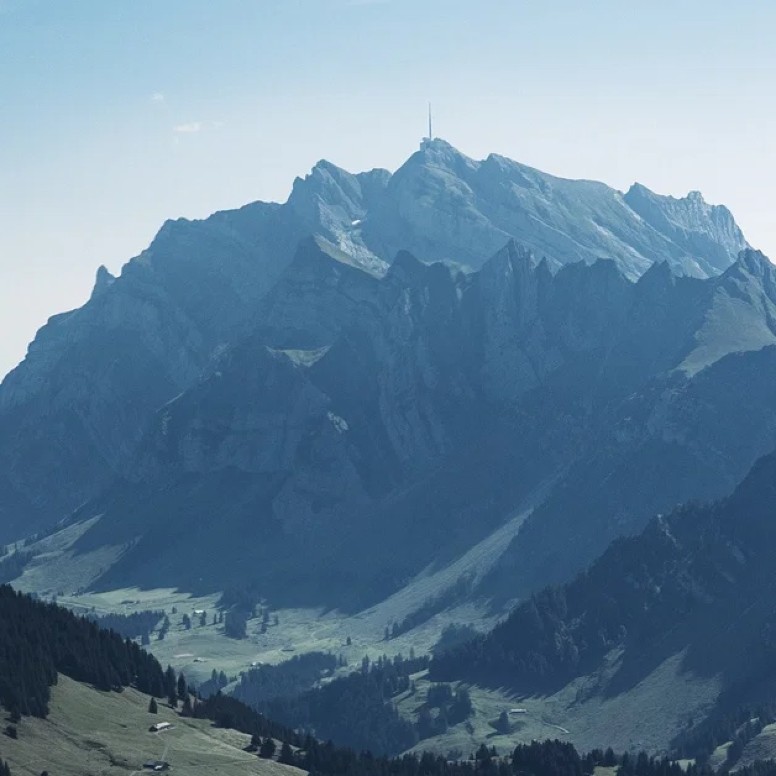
267, 749
170, 681
37, 641
181, 687
236, 625
286, 756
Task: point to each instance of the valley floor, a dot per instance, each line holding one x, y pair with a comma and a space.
647, 716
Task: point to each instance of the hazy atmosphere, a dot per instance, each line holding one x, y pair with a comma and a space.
118, 115
333, 443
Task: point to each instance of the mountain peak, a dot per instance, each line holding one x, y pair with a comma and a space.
518, 252
437, 144
103, 281
755, 262
512, 258
707, 235
406, 268
657, 278
436, 152
328, 181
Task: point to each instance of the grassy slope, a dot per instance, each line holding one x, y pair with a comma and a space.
647, 717
761, 747
91, 733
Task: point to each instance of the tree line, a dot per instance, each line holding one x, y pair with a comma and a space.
39, 640
130, 626
539, 758
355, 710
289, 678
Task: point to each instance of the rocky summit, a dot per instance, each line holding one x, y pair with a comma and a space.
386, 369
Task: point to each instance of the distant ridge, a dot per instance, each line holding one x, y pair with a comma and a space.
284, 389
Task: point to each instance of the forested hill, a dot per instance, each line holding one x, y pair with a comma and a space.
699, 582
38, 641
539, 758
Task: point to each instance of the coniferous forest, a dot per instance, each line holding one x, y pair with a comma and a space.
39, 640
355, 710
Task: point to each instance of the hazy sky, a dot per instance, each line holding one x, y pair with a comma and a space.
117, 114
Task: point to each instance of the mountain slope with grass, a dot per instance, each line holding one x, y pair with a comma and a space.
696, 587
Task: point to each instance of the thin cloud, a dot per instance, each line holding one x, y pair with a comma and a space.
157, 97
188, 128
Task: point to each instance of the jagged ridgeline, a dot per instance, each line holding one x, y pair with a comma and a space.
38, 641
317, 399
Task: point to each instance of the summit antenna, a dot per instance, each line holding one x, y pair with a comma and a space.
430, 133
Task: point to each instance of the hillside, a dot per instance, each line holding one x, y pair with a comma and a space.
695, 588
90, 733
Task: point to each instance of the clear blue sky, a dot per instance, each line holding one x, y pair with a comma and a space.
117, 114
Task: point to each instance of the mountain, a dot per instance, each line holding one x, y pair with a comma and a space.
695, 588
442, 205
676, 437
283, 390
334, 473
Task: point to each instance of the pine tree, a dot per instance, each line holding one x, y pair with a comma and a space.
153, 708
182, 689
286, 755
267, 749
169, 681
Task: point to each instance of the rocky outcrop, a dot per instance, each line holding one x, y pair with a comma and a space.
408, 415
293, 371
708, 233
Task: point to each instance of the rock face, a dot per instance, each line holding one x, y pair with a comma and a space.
708, 233
440, 401
288, 389
441, 205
